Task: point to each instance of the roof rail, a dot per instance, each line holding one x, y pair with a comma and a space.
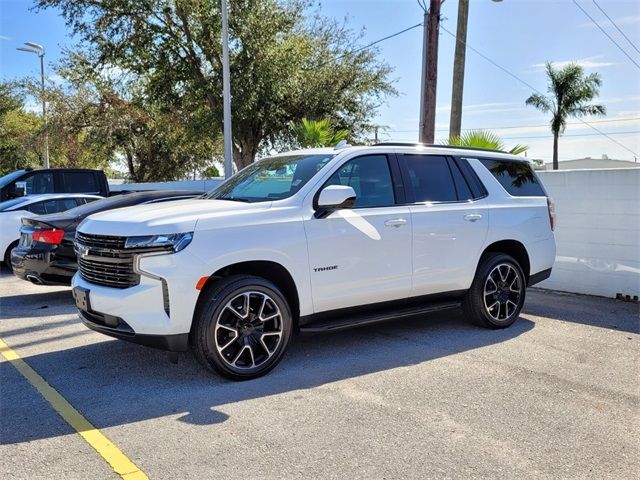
415, 144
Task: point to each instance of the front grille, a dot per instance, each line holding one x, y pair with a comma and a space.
103, 260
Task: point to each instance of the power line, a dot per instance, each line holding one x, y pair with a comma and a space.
353, 52
524, 126
533, 88
517, 137
615, 25
605, 32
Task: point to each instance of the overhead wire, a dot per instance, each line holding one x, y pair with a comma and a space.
532, 87
606, 34
616, 26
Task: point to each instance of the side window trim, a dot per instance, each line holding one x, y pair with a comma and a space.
394, 169
478, 190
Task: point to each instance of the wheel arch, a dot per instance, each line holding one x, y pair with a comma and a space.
267, 269
513, 248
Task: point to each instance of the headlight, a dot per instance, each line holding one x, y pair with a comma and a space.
174, 241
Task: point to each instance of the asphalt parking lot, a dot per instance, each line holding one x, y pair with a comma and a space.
555, 396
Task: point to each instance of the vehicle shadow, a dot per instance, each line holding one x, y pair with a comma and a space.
584, 309
116, 383
35, 304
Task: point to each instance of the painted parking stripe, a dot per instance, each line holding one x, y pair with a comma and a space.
118, 461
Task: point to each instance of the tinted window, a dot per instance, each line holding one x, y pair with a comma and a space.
462, 187
79, 182
516, 177
38, 208
430, 178
63, 204
39, 183
370, 178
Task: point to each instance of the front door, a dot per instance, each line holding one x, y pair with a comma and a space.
362, 255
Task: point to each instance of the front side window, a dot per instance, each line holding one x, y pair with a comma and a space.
430, 177
270, 179
39, 183
370, 178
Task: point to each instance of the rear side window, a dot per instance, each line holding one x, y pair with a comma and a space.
79, 182
430, 178
517, 178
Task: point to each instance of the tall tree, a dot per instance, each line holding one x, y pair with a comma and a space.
20, 131
286, 63
570, 93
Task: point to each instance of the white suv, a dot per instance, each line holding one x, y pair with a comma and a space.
317, 240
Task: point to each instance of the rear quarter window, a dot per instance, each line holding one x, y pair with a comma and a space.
517, 178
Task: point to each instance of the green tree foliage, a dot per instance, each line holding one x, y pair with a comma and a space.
317, 133
20, 131
285, 62
485, 139
570, 93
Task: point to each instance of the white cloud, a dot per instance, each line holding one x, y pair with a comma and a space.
4, 37
589, 62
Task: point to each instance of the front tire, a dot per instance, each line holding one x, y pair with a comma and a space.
242, 327
497, 293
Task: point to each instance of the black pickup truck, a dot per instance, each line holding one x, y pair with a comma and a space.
53, 180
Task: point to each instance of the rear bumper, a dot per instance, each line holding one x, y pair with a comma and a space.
43, 266
121, 330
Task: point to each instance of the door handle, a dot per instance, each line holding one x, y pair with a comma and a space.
472, 217
396, 222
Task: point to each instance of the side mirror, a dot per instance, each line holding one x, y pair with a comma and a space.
335, 197
19, 189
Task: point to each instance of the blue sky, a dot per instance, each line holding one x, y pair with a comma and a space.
519, 35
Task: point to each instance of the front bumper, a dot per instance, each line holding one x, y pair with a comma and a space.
157, 312
122, 331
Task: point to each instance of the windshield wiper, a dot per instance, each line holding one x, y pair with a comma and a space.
234, 199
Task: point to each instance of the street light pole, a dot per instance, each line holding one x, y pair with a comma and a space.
39, 50
226, 93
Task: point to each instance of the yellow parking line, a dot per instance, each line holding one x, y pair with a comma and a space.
118, 461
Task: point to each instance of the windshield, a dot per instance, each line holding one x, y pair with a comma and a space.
271, 179
10, 177
4, 206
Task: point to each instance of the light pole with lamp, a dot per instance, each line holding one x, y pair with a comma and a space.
39, 50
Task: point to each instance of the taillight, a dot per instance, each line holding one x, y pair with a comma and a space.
48, 236
552, 213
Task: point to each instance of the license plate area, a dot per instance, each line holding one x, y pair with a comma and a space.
81, 296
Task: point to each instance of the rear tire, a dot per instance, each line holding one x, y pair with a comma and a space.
7, 256
497, 293
242, 327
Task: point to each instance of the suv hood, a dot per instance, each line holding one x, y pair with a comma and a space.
163, 218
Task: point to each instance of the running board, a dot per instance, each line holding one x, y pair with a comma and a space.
358, 320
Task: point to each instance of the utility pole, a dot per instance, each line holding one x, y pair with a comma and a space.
226, 94
455, 122
431, 32
39, 50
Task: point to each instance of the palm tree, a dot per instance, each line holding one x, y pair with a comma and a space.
317, 133
571, 91
484, 139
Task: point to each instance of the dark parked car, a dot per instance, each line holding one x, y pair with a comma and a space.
53, 180
45, 254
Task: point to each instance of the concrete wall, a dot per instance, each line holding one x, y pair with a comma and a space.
195, 185
597, 232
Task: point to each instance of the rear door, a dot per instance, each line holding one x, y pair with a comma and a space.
450, 223
362, 255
